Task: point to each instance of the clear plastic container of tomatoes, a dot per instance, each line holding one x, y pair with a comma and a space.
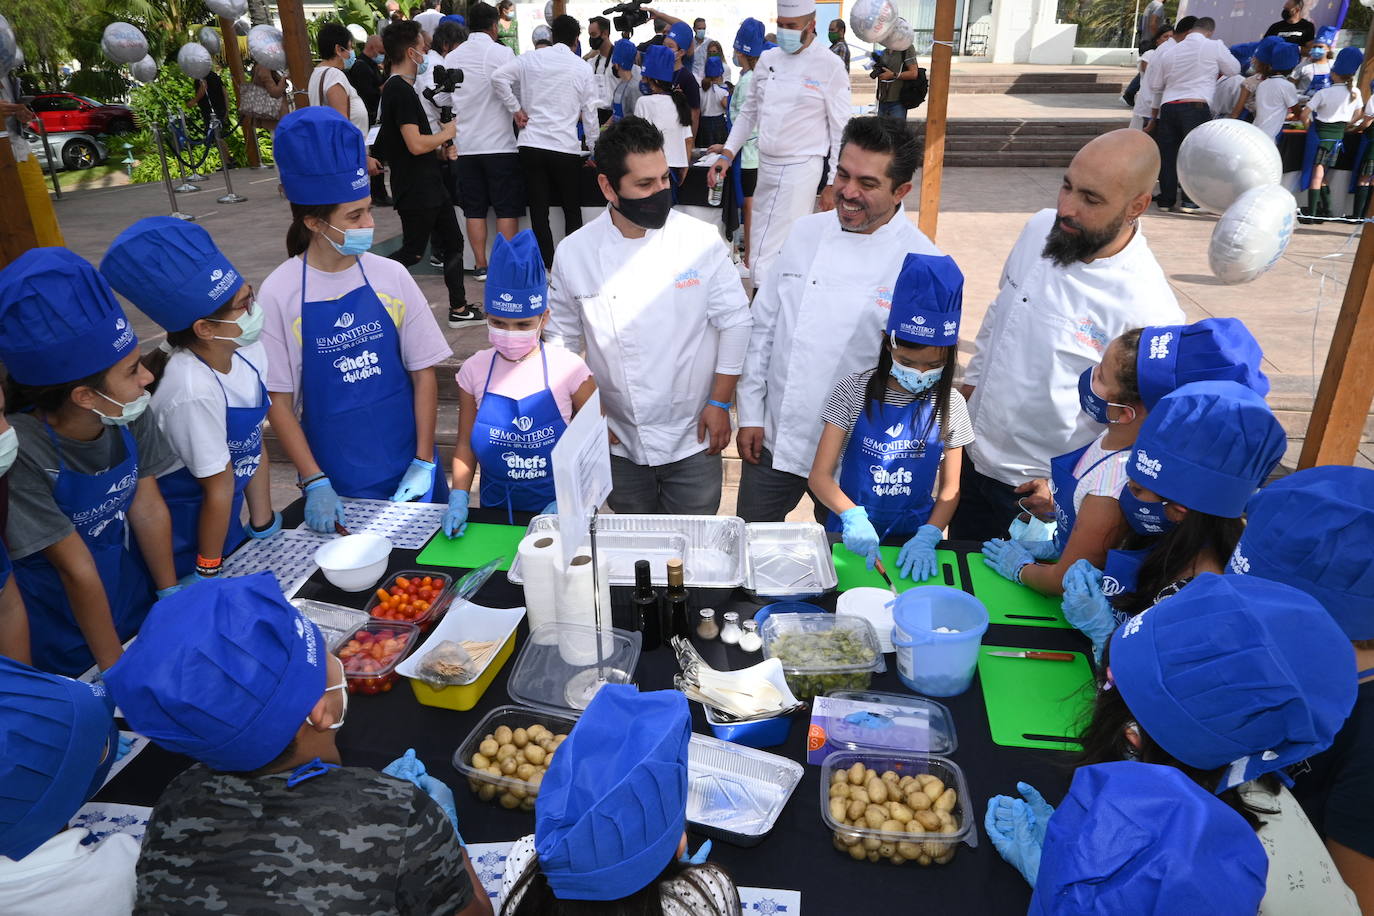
412, 596
371, 653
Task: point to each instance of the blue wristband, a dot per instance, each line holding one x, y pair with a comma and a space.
722, 404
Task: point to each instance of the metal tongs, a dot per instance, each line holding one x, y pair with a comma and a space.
739, 696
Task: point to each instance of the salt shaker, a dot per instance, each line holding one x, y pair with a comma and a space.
706, 626
730, 631
749, 640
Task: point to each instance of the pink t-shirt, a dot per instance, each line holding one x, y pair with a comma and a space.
422, 343
567, 372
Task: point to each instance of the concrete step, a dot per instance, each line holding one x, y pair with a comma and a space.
1041, 81
999, 127
1070, 145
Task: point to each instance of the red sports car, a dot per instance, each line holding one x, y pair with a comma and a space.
61, 112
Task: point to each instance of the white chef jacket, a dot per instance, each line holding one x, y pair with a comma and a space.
604, 78
1045, 327
63, 877
429, 21
484, 125
1190, 69
798, 103
823, 318
658, 316
554, 87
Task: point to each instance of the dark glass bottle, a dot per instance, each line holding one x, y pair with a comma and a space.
647, 615
675, 597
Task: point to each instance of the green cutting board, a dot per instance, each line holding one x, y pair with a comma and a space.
853, 572
480, 543
1029, 701
1010, 602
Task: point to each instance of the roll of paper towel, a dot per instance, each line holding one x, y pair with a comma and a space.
539, 560
576, 605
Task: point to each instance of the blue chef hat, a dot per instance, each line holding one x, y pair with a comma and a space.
749, 38
1243, 52
1283, 57
658, 63
1314, 530
1264, 48
623, 54
516, 284
59, 322
57, 741
1125, 840
715, 66
613, 804
926, 301
171, 270
1348, 61
1236, 672
681, 34
1327, 35
321, 157
224, 671
455, 18
1208, 445
1171, 356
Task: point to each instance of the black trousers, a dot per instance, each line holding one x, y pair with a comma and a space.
448, 172
986, 506
1176, 121
417, 226
551, 178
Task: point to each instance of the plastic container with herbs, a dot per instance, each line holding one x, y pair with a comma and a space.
822, 652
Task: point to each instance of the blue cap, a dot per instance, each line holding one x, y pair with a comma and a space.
516, 284
1327, 35
623, 54
613, 805
1243, 52
171, 270
681, 34
1314, 530
749, 38
454, 18
224, 671
1348, 61
1124, 840
59, 322
715, 66
1283, 57
321, 157
1264, 49
658, 63
1207, 445
926, 301
1236, 672
1214, 348
57, 741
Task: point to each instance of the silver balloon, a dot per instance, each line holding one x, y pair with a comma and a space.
548, 13
123, 43
145, 70
358, 32
901, 36
266, 45
871, 20
194, 60
1252, 234
9, 47
1221, 160
210, 40
229, 9
541, 33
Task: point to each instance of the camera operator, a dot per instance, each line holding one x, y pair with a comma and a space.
447, 35
413, 152
891, 69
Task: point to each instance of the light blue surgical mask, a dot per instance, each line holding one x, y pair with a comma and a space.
790, 40
249, 323
422, 66
9, 449
128, 413
350, 59
1031, 527
356, 241
1317, 54
379, 59
914, 380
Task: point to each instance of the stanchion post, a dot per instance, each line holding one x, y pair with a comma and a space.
167, 176
228, 197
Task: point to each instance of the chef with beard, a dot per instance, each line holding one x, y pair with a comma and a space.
1077, 277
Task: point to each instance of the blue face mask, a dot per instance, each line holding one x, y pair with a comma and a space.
645, 88
1144, 518
1030, 528
379, 59
422, 66
356, 241
1317, 54
1095, 406
790, 40
914, 380
350, 60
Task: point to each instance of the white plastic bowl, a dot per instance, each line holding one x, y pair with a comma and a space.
354, 562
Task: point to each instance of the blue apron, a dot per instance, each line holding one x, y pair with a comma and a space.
1122, 571
96, 505
888, 472
358, 404
1311, 144
513, 441
183, 493
1062, 480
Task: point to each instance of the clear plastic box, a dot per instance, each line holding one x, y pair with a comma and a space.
507, 790
736, 793
362, 675
335, 621
905, 723
437, 604
543, 680
822, 652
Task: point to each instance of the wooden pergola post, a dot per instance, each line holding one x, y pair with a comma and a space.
296, 39
937, 106
230, 39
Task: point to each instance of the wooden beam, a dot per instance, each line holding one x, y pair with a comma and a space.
296, 39
230, 40
17, 232
937, 106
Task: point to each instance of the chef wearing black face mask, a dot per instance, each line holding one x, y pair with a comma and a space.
653, 298
601, 43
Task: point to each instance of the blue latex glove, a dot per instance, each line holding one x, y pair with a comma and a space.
1012, 828
1086, 607
416, 481
267, 532
126, 744
443, 796
1007, 557
700, 858
169, 590
550, 509
916, 561
412, 769
456, 518
407, 767
1040, 550
859, 534
1041, 810
322, 506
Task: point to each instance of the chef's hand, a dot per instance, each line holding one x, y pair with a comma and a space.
749, 441
610, 434
716, 148
1007, 557
456, 516
322, 506
859, 535
828, 198
916, 561
261, 534
373, 166
1036, 498
718, 168
521, 119
717, 422
416, 481
1011, 825
1040, 809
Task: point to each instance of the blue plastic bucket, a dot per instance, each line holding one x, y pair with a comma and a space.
932, 663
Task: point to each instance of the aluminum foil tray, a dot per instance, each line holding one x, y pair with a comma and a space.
788, 560
735, 793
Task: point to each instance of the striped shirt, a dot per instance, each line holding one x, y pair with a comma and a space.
847, 401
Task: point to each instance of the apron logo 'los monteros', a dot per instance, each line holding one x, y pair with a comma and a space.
894, 430
522, 423
345, 320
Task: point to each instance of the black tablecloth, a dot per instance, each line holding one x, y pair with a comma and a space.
1293, 145
797, 854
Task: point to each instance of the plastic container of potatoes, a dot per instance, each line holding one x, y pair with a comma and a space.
511, 777
918, 811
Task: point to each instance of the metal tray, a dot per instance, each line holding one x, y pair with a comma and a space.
787, 560
712, 556
735, 793
335, 621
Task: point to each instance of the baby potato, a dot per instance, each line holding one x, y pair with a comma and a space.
481, 761
489, 747
946, 800
859, 793
504, 751
535, 730
933, 848
918, 800
857, 852
487, 792
872, 856
518, 793
535, 780
527, 804
508, 766
559, 739
877, 791
502, 734
908, 850
839, 844
838, 809
933, 789
520, 737
914, 828
509, 801
855, 809
947, 823
857, 775
871, 844
907, 783
887, 850
890, 776
839, 776
524, 771
535, 754
923, 859
874, 815
494, 770
900, 812
893, 826
840, 789
929, 820
923, 778
944, 859
897, 859
848, 837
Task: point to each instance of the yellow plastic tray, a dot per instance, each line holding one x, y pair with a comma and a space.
464, 697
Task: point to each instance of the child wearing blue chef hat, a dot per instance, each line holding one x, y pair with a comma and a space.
715, 100
208, 395
1314, 530
1137, 369
1231, 680
625, 95
888, 430
516, 397
665, 107
1328, 115
231, 675
87, 528
57, 743
351, 342
14, 619
609, 825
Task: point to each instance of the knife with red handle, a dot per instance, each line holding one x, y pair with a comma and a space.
1038, 655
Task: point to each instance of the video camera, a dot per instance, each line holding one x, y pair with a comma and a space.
446, 79
631, 15
876, 59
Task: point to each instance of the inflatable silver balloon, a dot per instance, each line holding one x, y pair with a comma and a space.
145, 70
541, 33
1221, 160
209, 40
548, 13
9, 47
358, 32
123, 43
194, 60
1252, 234
229, 9
901, 36
266, 45
871, 20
